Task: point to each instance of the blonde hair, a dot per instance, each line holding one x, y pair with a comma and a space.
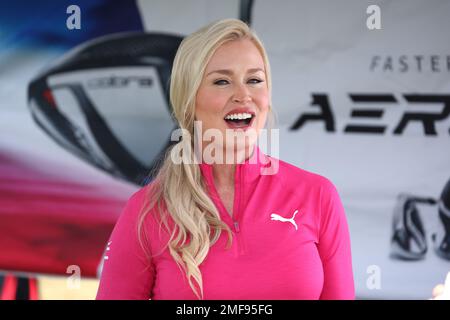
178, 189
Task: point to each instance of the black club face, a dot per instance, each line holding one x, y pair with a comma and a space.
106, 101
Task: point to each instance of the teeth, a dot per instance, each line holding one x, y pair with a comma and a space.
240, 116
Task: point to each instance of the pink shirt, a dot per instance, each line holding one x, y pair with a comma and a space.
306, 256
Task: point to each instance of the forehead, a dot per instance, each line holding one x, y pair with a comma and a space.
236, 54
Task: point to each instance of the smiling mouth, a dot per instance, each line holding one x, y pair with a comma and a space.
240, 123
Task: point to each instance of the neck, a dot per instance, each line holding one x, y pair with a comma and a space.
224, 173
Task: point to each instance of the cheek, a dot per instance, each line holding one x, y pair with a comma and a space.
263, 109
209, 109
263, 100
262, 120
263, 104
209, 102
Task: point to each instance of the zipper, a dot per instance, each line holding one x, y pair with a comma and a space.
237, 198
234, 219
236, 226
239, 189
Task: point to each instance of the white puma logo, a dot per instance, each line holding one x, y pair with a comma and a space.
275, 216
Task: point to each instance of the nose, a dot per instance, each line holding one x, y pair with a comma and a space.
241, 94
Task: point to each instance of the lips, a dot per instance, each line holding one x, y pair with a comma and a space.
240, 118
241, 124
240, 110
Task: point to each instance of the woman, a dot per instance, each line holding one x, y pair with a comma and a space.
252, 228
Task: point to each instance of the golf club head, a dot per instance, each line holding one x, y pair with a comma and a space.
442, 247
107, 102
408, 241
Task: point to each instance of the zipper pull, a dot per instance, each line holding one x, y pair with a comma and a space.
236, 226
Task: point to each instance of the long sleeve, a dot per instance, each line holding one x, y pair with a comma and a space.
127, 272
334, 247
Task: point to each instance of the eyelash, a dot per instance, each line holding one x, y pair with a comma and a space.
258, 81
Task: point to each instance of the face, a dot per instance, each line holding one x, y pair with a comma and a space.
233, 97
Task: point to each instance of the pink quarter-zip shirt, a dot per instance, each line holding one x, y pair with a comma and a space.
290, 241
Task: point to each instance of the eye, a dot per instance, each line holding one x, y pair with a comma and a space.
256, 80
220, 82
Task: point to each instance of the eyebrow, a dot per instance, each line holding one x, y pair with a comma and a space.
230, 72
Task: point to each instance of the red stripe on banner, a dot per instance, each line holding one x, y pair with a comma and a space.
33, 289
9, 288
52, 216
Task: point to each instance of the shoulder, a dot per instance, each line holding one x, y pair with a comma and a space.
141, 196
292, 176
304, 184
137, 203
312, 190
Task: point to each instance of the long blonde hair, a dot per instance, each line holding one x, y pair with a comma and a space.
178, 189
